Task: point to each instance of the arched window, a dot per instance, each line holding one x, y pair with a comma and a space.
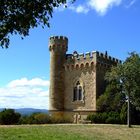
77, 92
80, 93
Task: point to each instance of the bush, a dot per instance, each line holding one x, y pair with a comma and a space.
113, 118
9, 116
23, 120
105, 117
42, 118
98, 117
123, 114
35, 118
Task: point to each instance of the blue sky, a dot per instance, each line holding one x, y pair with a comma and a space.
103, 25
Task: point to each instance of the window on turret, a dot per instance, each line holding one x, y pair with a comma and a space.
77, 92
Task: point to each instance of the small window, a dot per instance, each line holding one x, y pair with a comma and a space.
77, 92
80, 93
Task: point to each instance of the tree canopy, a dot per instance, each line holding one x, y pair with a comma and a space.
112, 100
9, 116
127, 76
18, 16
123, 87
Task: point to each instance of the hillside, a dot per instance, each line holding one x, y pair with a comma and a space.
28, 111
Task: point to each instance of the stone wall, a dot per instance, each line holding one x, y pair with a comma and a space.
66, 70
86, 76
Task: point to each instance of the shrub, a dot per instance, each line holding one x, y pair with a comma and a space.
113, 118
98, 117
35, 118
42, 118
23, 120
9, 116
105, 117
123, 114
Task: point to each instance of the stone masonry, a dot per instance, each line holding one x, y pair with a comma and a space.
76, 80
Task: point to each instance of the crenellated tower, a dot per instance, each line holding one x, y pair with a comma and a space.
76, 80
58, 47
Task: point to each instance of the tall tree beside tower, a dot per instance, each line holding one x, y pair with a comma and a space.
127, 76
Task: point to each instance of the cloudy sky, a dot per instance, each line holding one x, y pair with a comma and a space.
112, 25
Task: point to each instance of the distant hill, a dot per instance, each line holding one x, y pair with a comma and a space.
29, 111
1, 109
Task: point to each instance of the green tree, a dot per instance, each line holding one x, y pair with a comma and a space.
112, 100
128, 77
9, 116
18, 16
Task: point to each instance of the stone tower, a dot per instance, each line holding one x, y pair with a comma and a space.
58, 48
76, 80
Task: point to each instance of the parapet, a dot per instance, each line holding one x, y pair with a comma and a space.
56, 41
81, 56
76, 60
105, 57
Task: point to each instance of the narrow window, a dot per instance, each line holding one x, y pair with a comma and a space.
80, 93
77, 92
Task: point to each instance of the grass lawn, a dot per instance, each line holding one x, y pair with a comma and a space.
69, 132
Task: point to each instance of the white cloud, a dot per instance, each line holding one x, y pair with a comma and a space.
131, 3
79, 9
25, 93
102, 6
26, 82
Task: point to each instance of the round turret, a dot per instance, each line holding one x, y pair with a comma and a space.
58, 43
58, 46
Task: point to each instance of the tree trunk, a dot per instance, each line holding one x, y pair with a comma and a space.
128, 112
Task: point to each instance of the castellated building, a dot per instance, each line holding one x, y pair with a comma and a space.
76, 80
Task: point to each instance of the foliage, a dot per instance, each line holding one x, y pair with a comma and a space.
18, 16
105, 117
97, 118
113, 118
112, 99
123, 82
41, 118
9, 116
23, 120
123, 113
128, 77
35, 118
135, 115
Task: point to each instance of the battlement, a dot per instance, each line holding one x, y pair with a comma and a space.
58, 41
102, 56
58, 38
81, 56
61, 40
90, 55
81, 60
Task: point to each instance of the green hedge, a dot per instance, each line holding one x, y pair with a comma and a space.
105, 117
